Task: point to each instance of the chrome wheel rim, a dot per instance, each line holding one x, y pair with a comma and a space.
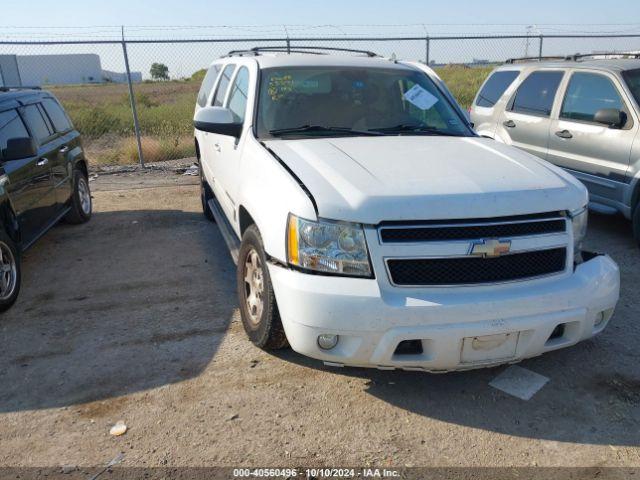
84, 195
254, 286
8, 272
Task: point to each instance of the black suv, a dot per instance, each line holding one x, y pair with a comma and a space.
43, 177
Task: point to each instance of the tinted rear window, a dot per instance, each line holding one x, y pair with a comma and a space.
207, 85
536, 94
57, 115
223, 84
495, 87
37, 124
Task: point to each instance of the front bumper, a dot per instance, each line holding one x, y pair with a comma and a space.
371, 321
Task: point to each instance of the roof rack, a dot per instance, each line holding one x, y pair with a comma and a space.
8, 88
255, 51
575, 57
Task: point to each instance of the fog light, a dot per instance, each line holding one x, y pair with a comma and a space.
599, 319
327, 341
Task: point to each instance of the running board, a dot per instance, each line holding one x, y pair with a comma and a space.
230, 237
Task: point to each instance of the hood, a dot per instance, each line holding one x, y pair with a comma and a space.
375, 179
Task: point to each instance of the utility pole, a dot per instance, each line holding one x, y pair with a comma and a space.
527, 43
132, 99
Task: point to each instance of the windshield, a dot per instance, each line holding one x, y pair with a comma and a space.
632, 77
335, 101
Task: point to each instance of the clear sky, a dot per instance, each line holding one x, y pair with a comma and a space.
340, 12
152, 19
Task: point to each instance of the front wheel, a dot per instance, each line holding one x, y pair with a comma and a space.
258, 308
9, 272
81, 203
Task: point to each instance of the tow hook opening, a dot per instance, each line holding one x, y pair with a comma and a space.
563, 334
584, 256
409, 347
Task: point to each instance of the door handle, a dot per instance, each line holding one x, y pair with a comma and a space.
42, 162
564, 134
64, 149
509, 124
216, 146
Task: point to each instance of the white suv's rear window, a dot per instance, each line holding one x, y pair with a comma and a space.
495, 86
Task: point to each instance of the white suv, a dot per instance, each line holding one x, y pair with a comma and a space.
372, 227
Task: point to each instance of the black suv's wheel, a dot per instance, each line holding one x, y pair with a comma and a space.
9, 272
258, 308
81, 204
205, 195
636, 224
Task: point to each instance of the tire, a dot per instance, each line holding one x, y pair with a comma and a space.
260, 316
205, 195
10, 273
81, 203
636, 224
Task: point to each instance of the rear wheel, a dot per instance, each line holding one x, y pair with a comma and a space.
81, 203
9, 272
258, 308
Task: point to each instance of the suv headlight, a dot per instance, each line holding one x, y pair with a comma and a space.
579, 223
328, 247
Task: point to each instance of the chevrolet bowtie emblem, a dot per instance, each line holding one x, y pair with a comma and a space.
490, 248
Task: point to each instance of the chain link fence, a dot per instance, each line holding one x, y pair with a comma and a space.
133, 100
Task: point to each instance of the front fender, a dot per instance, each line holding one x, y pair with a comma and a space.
269, 193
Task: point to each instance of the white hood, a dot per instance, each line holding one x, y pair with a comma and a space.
373, 179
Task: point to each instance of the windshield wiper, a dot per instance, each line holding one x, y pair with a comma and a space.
413, 128
321, 129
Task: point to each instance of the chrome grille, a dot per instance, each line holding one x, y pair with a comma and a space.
476, 270
442, 253
470, 230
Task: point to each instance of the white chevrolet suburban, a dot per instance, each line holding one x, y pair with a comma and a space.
372, 227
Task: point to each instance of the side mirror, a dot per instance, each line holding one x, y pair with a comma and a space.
217, 120
21, 147
611, 117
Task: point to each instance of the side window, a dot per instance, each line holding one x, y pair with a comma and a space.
495, 86
60, 120
36, 122
11, 126
238, 96
223, 84
586, 94
207, 84
536, 94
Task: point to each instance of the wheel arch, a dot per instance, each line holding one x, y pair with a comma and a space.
245, 220
8, 221
81, 164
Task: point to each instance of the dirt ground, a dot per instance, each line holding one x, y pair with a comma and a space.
134, 317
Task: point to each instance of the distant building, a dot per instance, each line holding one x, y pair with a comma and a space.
9, 73
63, 69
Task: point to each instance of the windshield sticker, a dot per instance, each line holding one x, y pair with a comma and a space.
280, 86
419, 97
